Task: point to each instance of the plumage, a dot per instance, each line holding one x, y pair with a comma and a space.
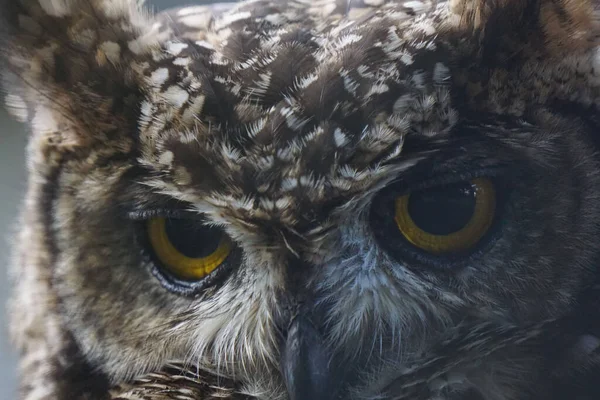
291, 128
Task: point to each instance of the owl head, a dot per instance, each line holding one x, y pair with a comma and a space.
358, 200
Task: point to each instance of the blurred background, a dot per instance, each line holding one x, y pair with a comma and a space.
12, 188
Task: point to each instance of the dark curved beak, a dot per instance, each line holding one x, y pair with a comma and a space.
306, 363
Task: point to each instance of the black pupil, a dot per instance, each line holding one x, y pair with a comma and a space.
443, 210
192, 238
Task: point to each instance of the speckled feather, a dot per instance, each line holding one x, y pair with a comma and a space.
280, 121
178, 382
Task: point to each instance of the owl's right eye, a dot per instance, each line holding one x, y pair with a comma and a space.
186, 248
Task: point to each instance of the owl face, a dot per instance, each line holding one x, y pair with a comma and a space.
313, 206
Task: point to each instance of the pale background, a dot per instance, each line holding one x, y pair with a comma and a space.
12, 186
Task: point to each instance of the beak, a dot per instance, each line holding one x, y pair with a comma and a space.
306, 363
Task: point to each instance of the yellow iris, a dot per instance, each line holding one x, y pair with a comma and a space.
178, 263
480, 221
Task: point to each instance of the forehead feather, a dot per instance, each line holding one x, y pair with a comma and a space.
293, 114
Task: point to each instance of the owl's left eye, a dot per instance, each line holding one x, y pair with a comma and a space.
186, 248
447, 221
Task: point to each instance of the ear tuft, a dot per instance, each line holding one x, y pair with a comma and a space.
570, 25
80, 59
514, 55
553, 26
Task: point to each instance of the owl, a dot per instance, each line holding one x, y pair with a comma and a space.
307, 199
